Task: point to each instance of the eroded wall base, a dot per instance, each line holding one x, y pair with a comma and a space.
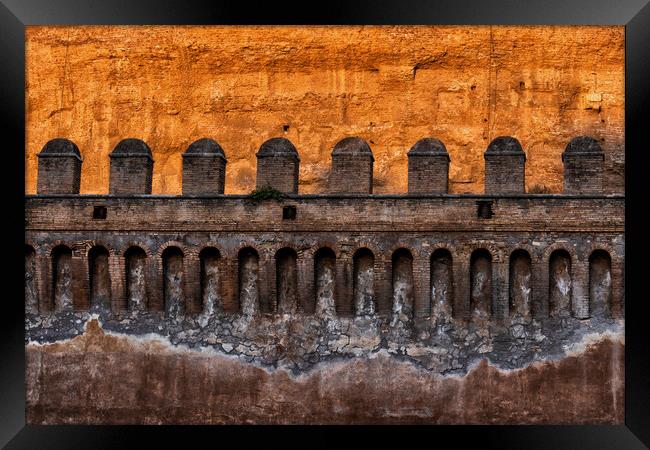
105, 378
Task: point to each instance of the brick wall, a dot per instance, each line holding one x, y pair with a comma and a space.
428, 174
59, 174
130, 174
583, 174
203, 174
526, 223
280, 172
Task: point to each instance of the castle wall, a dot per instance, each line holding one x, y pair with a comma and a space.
426, 279
337, 306
328, 213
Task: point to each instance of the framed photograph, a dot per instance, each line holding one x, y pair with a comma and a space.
385, 214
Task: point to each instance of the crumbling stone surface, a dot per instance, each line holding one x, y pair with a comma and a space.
298, 342
104, 377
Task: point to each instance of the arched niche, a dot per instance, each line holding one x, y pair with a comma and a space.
324, 303
481, 283
286, 280
173, 278
248, 262
210, 259
442, 285
363, 277
62, 277
520, 283
600, 284
99, 277
560, 284
135, 260
403, 288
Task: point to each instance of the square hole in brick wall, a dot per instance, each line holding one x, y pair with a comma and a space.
99, 212
288, 212
484, 209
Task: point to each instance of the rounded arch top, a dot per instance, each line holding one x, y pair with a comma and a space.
135, 246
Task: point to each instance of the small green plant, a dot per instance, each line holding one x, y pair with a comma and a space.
539, 189
266, 193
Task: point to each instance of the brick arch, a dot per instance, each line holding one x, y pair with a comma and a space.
310, 253
262, 254
33, 247
595, 246
520, 246
247, 244
49, 248
443, 246
196, 250
98, 243
273, 250
496, 253
548, 251
415, 254
165, 245
376, 253
139, 244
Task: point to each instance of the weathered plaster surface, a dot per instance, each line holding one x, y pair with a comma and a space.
391, 85
103, 376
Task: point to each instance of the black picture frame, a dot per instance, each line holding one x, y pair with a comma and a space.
634, 14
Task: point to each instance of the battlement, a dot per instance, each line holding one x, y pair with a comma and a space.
278, 166
346, 252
